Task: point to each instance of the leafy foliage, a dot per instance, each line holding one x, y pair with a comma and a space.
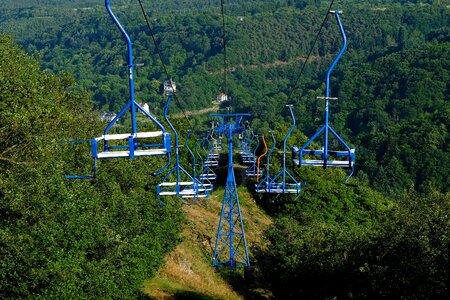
347, 243
401, 117
392, 82
60, 238
99, 239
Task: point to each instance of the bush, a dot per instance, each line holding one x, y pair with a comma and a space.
62, 239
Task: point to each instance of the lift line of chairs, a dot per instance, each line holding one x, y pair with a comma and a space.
178, 182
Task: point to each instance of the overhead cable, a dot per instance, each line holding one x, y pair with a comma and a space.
162, 61
311, 50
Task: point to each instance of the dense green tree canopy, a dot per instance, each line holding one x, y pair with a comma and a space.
68, 239
100, 239
353, 244
266, 48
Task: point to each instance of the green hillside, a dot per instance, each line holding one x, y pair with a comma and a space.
62, 239
385, 235
381, 105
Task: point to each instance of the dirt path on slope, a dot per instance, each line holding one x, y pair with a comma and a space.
214, 108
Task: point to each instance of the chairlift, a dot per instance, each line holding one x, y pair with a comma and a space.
213, 155
206, 172
248, 157
204, 181
253, 170
324, 157
288, 184
188, 188
132, 144
266, 150
264, 185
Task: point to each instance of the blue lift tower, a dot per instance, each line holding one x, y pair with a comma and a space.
231, 247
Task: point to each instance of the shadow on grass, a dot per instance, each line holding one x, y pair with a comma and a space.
180, 295
188, 295
244, 282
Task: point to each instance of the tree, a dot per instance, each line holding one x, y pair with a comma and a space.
345, 243
69, 239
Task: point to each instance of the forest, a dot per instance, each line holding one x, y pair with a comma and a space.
63, 64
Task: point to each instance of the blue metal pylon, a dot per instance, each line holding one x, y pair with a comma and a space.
231, 246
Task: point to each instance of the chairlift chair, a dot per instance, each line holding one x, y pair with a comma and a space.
189, 188
288, 184
263, 186
204, 181
325, 157
213, 156
206, 172
248, 157
258, 165
253, 170
134, 144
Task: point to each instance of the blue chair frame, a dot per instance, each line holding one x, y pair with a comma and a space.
288, 184
132, 143
253, 171
306, 156
206, 172
191, 188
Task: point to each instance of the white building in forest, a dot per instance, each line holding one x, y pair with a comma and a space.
145, 106
169, 87
221, 97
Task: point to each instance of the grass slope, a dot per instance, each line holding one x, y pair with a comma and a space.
187, 273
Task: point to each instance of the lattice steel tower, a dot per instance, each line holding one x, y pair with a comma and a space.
231, 246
